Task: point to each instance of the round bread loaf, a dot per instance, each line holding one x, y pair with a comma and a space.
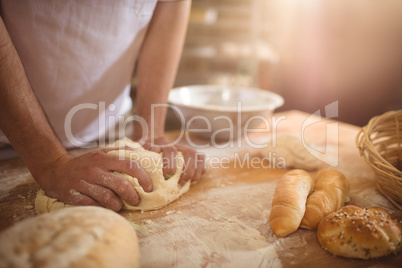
73, 237
359, 233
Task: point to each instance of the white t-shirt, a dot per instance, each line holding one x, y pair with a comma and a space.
79, 56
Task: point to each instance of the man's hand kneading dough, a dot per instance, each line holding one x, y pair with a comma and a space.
87, 55
89, 180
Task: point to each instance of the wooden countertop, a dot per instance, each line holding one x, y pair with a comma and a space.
223, 220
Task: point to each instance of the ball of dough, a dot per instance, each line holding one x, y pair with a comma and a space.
73, 237
291, 149
359, 233
164, 191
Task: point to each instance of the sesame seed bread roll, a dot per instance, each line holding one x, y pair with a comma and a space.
331, 190
288, 204
355, 232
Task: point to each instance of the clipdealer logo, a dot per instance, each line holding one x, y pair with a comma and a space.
119, 122
328, 154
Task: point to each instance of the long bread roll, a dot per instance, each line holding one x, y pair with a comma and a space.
330, 193
288, 204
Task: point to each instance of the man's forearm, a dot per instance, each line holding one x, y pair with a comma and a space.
21, 117
158, 62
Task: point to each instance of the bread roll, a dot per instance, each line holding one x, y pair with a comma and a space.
72, 237
288, 204
331, 190
359, 233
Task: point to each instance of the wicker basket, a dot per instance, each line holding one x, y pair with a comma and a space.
380, 144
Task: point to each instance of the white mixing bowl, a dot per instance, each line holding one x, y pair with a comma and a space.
222, 112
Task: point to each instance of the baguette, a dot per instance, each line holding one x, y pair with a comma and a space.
330, 193
288, 204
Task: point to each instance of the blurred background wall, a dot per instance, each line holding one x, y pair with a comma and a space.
312, 52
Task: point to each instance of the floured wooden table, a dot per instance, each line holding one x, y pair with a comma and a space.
223, 220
